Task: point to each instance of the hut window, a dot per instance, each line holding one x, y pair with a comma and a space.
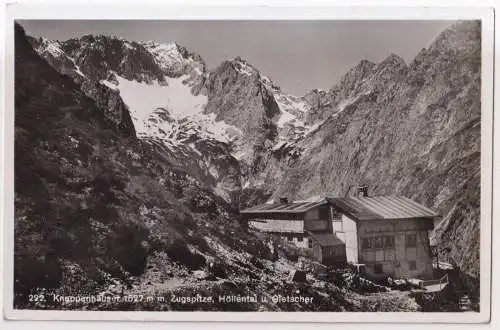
411, 240
336, 216
366, 243
378, 242
300, 239
289, 238
377, 268
310, 243
412, 264
389, 241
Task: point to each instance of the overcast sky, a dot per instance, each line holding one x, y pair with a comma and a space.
297, 55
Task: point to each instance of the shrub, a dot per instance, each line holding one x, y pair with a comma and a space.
180, 253
218, 269
126, 245
200, 242
256, 262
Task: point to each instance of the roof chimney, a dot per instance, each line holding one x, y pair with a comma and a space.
283, 200
362, 191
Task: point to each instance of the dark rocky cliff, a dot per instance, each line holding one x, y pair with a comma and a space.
237, 95
107, 99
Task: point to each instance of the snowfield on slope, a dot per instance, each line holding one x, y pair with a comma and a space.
170, 112
143, 98
292, 111
292, 108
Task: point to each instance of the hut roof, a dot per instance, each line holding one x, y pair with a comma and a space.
381, 207
279, 208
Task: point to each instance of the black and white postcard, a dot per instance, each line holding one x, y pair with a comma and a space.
249, 166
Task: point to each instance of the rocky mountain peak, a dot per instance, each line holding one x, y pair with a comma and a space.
461, 40
107, 99
354, 77
324, 104
458, 38
97, 55
242, 67
238, 83
392, 60
174, 59
360, 70
390, 71
363, 65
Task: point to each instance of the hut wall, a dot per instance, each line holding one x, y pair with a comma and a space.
278, 226
333, 255
346, 230
398, 248
318, 219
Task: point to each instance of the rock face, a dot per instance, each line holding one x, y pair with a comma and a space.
107, 99
97, 55
237, 95
118, 75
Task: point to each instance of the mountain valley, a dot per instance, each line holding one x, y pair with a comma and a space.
133, 159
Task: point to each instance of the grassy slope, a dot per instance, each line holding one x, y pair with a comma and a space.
89, 200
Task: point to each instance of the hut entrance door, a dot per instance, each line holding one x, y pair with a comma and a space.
403, 270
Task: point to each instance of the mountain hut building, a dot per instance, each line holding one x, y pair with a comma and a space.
388, 235
305, 224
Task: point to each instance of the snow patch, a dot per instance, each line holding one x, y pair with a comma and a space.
170, 113
213, 171
77, 70
109, 84
198, 71
143, 98
279, 145
244, 69
219, 130
285, 118
128, 45
54, 48
193, 147
313, 128
167, 55
292, 110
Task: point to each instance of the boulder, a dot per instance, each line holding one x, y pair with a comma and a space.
297, 276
